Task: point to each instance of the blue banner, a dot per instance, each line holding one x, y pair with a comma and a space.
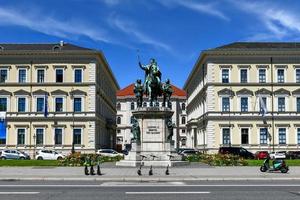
2, 129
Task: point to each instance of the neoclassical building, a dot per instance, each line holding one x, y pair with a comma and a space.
56, 96
126, 103
245, 94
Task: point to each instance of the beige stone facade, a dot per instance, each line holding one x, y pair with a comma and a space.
228, 88
50, 93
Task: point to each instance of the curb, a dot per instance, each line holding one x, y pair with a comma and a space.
145, 179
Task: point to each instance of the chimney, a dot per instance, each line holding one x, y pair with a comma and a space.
61, 43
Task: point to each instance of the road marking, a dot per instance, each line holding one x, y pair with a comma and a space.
151, 185
139, 183
167, 192
19, 193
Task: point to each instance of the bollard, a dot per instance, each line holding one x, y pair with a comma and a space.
98, 167
92, 171
167, 170
86, 170
150, 171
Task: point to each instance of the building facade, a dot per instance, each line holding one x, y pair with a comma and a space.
56, 96
126, 103
245, 94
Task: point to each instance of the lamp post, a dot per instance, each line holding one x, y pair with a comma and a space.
73, 148
34, 147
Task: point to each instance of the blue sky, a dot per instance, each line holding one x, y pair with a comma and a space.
172, 31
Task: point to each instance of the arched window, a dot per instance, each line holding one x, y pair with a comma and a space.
132, 106
118, 120
145, 104
183, 106
118, 106
183, 120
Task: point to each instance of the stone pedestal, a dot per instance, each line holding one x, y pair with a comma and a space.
153, 147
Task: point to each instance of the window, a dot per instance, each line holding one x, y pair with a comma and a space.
282, 136
118, 106
170, 105
244, 75
183, 120
298, 136
280, 75
183, 131
183, 106
3, 104
118, 131
263, 135
39, 134
118, 120
21, 136
132, 106
78, 75
244, 104
297, 75
225, 104
2, 131
144, 104
3, 75
22, 75
40, 75
77, 104
59, 75
21, 104
281, 104
226, 136
225, 75
40, 104
59, 104
245, 135
77, 136
58, 136
298, 104
262, 75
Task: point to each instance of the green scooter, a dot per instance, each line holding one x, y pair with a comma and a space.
277, 165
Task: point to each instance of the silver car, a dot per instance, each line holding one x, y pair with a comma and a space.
13, 154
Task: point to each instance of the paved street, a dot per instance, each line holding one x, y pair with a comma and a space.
113, 173
89, 190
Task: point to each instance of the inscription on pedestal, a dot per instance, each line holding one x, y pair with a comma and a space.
152, 130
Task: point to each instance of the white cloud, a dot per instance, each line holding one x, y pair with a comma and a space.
205, 8
50, 26
130, 28
277, 21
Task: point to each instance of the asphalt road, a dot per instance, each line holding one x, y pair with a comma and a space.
86, 190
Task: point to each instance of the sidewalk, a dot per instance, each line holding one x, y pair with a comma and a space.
113, 173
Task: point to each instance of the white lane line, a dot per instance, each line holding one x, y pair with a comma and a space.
167, 192
150, 185
19, 193
167, 185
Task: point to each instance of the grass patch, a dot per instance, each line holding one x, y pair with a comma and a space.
27, 163
260, 162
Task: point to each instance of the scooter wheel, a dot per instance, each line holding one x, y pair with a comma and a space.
263, 169
283, 170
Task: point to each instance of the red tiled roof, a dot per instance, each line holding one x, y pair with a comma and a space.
128, 91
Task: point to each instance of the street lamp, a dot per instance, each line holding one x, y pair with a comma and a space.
73, 149
34, 147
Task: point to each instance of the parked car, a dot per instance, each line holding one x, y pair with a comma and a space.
278, 154
14, 154
261, 155
179, 150
188, 152
293, 155
240, 151
125, 151
109, 153
48, 155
